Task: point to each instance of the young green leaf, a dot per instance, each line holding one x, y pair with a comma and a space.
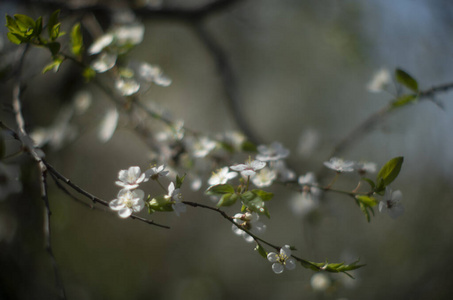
76, 40
227, 200
15, 38
25, 23
53, 20
179, 181
388, 173
367, 200
55, 65
261, 250
220, 189
266, 196
406, 80
404, 100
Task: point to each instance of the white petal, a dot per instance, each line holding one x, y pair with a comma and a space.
238, 167
257, 165
248, 173
104, 62
100, 44
285, 251
138, 194
116, 204
248, 238
397, 196
139, 205
236, 230
125, 212
396, 211
290, 263
272, 257
277, 268
108, 125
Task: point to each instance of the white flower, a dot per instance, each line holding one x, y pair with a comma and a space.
175, 196
379, 81
203, 146
129, 34
264, 178
221, 176
108, 125
101, 43
320, 282
392, 203
284, 173
154, 74
131, 178
155, 172
127, 202
365, 167
310, 195
339, 165
127, 87
104, 62
282, 260
272, 153
249, 168
250, 222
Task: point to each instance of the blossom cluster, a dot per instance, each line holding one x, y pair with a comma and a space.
130, 198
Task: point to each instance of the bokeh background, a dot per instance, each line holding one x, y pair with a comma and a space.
301, 69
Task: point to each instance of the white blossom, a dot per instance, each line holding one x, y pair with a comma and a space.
272, 153
282, 260
320, 282
127, 87
221, 176
264, 178
340, 165
156, 172
249, 221
249, 168
131, 178
127, 202
129, 34
101, 43
365, 167
154, 74
379, 81
108, 125
392, 203
203, 146
309, 199
283, 172
104, 62
175, 196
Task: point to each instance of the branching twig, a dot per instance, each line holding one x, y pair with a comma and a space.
93, 198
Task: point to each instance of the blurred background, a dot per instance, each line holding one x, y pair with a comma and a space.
301, 70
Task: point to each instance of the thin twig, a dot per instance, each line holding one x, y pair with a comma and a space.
92, 197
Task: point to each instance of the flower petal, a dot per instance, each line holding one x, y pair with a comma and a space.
125, 212
272, 257
290, 263
277, 268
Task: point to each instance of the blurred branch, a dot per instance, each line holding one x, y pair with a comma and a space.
368, 124
228, 79
27, 145
93, 198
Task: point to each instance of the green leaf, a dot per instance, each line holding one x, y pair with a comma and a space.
404, 100
220, 189
367, 200
389, 172
333, 267
227, 200
11, 24
179, 181
248, 146
76, 40
261, 250
55, 32
38, 26
160, 203
15, 38
248, 196
55, 65
266, 196
54, 48
25, 23
88, 73
53, 20
370, 182
406, 80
